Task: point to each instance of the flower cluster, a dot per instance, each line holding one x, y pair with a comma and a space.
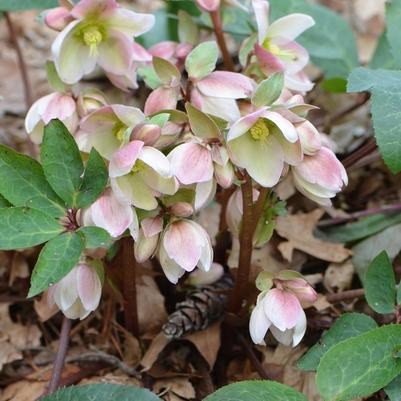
200, 131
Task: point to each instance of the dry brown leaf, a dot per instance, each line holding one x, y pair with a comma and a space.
298, 230
207, 342
43, 309
174, 388
156, 347
338, 276
24, 390
19, 268
113, 378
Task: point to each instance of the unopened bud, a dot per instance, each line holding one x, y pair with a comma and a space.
182, 209
147, 133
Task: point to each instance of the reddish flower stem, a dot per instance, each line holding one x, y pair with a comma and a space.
129, 286
60, 357
21, 61
345, 295
218, 30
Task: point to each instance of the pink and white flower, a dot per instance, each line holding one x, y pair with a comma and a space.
101, 33
320, 177
139, 174
184, 245
108, 128
78, 293
56, 105
148, 238
280, 309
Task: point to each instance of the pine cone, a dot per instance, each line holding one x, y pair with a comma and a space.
201, 308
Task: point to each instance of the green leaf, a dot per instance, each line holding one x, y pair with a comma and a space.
382, 57
166, 71
202, 60
380, 284
188, 31
95, 237
361, 365
393, 18
399, 294
385, 87
393, 390
94, 180
201, 124
363, 228
346, 326
53, 78
269, 90
22, 183
102, 392
150, 77
4, 202
256, 390
330, 43
334, 85
61, 160
19, 5
22, 227
55, 260
366, 250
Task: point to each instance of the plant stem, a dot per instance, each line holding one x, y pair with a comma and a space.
345, 295
218, 30
21, 61
60, 357
245, 253
359, 153
129, 286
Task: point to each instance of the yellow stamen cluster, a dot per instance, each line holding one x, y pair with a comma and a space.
119, 131
137, 167
260, 131
92, 33
275, 49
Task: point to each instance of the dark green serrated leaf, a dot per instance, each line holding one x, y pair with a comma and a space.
385, 87
360, 366
55, 260
95, 237
346, 326
61, 161
4, 202
361, 229
256, 390
94, 180
393, 18
393, 390
380, 284
22, 183
19, 5
102, 392
23, 227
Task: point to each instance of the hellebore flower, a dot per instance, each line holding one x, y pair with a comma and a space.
78, 293
56, 105
139, 174
108, 128
276, 49
320, 177
101, 33
280, 309
148, 238
109, 213
184, 245
261, 142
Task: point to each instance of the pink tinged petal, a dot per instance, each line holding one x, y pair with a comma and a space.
261, 11
87, 8
226, 84
244, 124
206, 257
293, 154
225, 175
66, 292
134, 226
258, 324
299, 329
268, 62
291, 26
147, 133
130, 23
302, 290
263, 161
282, 308
71, 56
152, 226
204, 193
165, 49
124, 159
298, 82
286, 128
191, 163
224, 108
36, 111
76, 311
182, 209
145, 247
161, 99
183, 49
309, 137
110, 213
60, 106
158, 184
284, 337
58, 18
183, 244
130, 116
208, 5
115, 53
126, 82
156, 160
299, 59
89, 287
140, 54
170, 268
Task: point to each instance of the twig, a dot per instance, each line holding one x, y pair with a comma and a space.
218, 30
363, 213
129, 287
253, 358
21, 61
345, 295
359, 153
60, 357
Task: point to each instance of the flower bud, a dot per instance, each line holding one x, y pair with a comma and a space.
90, 100
182, 209
208, 5
147, 133
58, 18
